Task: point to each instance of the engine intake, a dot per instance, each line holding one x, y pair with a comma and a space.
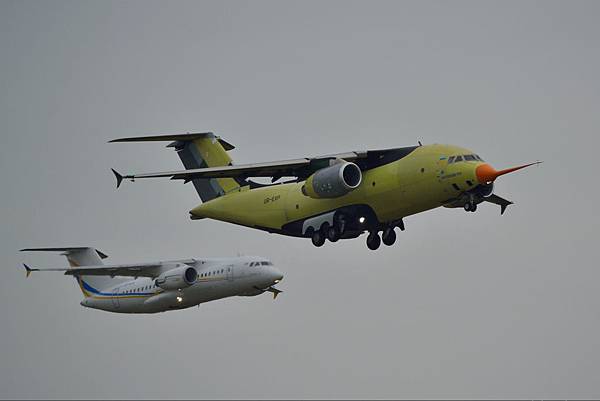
177, 278
333, 181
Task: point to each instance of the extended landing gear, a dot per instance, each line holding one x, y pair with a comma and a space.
318, 239
333, 233
329, 232
373, 240
389, 236
470, 206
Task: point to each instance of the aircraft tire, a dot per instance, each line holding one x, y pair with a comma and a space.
318, 239
389, 236
333, 234
467, 207
373, 241
473, 207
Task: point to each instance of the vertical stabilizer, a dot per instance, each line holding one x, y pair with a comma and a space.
83, 256
199, 150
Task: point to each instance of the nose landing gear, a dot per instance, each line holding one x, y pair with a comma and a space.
470, 206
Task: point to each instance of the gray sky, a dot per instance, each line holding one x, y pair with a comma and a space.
464, 305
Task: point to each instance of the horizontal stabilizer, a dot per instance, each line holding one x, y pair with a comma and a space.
175, 137
66, 249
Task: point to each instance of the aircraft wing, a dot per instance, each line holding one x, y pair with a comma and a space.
151, 270
300, 168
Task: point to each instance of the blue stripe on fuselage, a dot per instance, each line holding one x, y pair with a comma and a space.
94, 291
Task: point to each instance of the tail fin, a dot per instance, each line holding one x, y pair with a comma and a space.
81, 256
199, 151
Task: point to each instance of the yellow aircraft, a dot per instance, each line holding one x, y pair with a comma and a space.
330, 197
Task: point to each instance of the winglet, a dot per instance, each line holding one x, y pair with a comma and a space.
28, 270
118, 176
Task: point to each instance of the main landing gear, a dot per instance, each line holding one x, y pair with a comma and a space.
332, 232
388, 237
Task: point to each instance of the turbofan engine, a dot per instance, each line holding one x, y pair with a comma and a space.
333, 181
177, 278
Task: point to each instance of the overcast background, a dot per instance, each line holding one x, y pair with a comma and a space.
464, 305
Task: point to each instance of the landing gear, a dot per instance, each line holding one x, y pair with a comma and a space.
373, 240
318, 239
470, 206
389, 236
333, 234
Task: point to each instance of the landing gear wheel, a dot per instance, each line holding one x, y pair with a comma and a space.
470, 207
373, 241
389, 236
333, 234
318, 239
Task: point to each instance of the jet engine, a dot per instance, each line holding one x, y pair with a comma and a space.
177, 278
333, 181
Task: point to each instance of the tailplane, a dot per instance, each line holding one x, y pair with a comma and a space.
198, 151
78, 257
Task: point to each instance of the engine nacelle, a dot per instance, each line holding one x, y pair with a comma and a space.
177, 278
333, 181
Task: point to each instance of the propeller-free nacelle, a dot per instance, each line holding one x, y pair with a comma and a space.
333, 181
180, 277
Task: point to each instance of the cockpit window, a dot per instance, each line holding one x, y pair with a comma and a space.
458, 159
470, 158
479, 158
451, 160
265, 263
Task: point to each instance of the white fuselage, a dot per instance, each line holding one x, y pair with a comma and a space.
217, 278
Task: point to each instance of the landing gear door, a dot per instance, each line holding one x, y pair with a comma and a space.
229, 271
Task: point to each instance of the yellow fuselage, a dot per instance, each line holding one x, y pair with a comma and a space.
419, 181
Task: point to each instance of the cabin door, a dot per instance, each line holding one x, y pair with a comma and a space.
115, 298
229, 271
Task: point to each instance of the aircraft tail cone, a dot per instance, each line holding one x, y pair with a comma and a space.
486, 173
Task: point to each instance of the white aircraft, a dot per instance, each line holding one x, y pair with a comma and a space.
162, 286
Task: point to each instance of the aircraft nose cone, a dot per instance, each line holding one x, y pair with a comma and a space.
485, 173
275, 275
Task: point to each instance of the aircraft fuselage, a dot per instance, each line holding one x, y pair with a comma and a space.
420, 181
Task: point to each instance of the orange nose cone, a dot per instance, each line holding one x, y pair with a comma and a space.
486, 173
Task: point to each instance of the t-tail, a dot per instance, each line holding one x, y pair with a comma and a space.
199, 150
79, 257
